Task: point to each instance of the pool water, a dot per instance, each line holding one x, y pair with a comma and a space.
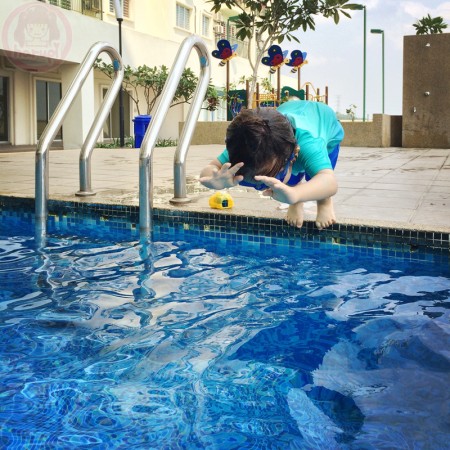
192, 345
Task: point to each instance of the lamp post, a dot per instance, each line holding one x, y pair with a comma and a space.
119, 18
363, 8
378, 31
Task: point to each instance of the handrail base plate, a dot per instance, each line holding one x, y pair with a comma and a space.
179, 201
85, 193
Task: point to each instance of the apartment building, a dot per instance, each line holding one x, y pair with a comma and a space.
43, 42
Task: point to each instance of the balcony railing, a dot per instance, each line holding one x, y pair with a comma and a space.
92, 8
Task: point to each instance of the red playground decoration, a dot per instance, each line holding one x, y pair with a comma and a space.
296, 60
225, 51
276, 58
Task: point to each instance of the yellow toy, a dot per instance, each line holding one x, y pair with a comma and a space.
221, 200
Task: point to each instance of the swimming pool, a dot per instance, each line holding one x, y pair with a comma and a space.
207, 343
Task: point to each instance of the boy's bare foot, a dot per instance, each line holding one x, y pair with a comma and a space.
325, 213
294, 215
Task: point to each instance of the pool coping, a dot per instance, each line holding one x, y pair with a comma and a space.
221, 223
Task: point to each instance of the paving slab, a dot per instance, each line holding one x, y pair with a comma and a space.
394, 187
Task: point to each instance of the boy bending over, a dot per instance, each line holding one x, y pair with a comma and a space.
274, 150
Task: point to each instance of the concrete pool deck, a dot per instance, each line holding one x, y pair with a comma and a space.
392, 187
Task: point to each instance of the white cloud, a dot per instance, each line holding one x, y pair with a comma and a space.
335, 52
419, 9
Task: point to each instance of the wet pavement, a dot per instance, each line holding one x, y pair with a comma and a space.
395, 187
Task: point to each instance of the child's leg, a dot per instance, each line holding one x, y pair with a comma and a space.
294, 215
325, 213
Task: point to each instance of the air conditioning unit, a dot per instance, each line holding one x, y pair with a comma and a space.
219, 29
92, 8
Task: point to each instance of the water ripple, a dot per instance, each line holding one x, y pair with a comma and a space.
180, 345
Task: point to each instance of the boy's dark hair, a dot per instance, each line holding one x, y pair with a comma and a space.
263, 139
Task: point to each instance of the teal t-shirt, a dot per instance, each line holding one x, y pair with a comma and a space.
317, 132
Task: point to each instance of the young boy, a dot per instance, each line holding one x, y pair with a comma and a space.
275, 149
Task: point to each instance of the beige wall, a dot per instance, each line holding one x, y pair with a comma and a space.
383, 131
426, 91
208, 133
149, 36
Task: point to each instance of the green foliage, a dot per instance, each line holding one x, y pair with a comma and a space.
166, 143
272, 21
151, 81
129, 143
267, 85
115, 143
212, 98
279, 19
429, 25
351, 112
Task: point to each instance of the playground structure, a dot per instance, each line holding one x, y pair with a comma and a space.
274, 98
275, 59
238, 98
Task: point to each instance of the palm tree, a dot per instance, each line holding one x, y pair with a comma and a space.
429, 25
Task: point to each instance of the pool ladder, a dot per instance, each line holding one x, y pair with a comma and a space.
148, 143
151, 135
50, 131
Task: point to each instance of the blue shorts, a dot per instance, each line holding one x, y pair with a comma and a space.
295, 179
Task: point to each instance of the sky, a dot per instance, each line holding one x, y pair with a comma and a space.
335, 53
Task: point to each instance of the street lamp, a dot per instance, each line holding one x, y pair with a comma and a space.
378, 31
119, 18
363, 8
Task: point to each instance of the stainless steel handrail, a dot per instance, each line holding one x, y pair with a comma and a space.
96, 128
149, 141
50, 131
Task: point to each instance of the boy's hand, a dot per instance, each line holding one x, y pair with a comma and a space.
223, 177
321, 186
277, 190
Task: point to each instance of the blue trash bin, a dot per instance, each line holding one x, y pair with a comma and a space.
140, 127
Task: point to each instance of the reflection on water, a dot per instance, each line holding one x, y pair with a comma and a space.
199, 347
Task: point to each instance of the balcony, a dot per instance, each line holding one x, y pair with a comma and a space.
91, 8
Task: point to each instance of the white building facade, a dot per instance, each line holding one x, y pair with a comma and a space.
43, 43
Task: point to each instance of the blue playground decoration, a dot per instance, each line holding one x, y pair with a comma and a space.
276, 58
296, 60
225, 51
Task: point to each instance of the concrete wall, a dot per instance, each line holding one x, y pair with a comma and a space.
208, 133
384, 131
426, 93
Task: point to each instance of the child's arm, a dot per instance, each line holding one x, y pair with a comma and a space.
323, 185
220, 176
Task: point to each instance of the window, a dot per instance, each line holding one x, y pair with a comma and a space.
92, 8
4, 107
111, 128
206, 21
183, 17
232, 31
48, 95
61, 3
125, 7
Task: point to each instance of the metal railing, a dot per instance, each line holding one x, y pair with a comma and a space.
91, 8
149, 141
50, 131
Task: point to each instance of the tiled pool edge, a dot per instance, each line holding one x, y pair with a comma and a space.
121, 217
